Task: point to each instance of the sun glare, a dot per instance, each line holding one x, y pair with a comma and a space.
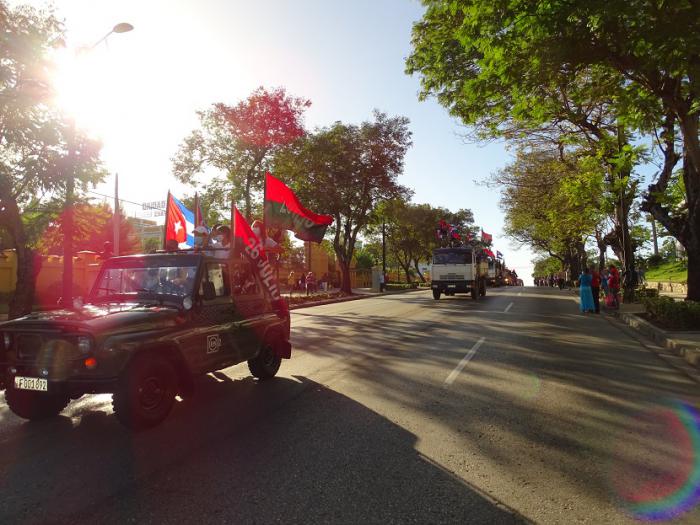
87, 90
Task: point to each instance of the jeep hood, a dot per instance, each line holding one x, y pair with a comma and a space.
100, 318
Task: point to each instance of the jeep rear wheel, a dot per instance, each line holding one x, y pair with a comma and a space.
266, 364
146, 392
436, 294
35, 405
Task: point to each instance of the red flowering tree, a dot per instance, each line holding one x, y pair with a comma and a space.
93, 226
240, 142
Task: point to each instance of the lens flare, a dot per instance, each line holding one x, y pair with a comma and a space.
664, 481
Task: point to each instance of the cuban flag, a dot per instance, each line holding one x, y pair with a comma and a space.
499, 255
179, 223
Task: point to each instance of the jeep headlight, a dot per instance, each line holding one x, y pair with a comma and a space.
84, 344
6, 341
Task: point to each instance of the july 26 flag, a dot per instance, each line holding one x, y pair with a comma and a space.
179, 223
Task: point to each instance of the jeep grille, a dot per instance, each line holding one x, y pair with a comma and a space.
29, 346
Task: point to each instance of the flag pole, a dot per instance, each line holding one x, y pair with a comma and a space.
234, 238
196, 210
165, 225
117, 215
263, 231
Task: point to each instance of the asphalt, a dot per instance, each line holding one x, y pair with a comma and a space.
394, 409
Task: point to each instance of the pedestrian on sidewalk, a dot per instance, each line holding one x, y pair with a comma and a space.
382, 285
310, 283
614, 286
585, 293
595, 289
291, 281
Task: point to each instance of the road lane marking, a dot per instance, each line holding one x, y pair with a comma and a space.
508, 308
453, 375
520, 293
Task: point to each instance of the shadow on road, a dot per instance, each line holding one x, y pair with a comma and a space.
287, 450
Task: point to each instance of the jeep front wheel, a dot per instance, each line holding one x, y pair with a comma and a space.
146, 392
34, 405
266, 364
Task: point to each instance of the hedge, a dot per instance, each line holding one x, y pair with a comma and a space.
676, 315
402, 286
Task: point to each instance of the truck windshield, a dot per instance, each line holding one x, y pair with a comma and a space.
452, 258
142, 281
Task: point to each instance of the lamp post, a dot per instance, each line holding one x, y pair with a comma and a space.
70, 188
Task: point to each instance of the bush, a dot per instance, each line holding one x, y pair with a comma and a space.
402, 286
676, 315
655, 260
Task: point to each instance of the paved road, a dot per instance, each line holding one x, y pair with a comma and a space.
511, 409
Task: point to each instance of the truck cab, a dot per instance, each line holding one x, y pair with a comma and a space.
457, 270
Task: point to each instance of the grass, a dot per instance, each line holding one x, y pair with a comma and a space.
675, 272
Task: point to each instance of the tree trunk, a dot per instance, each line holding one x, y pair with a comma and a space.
602, 247
692, 248
23, 298
248, 205
420, 274
345, 282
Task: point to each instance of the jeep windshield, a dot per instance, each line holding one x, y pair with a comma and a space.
461, 257
142, 281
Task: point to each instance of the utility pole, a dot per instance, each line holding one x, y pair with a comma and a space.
383, 247
653, 235
68, 220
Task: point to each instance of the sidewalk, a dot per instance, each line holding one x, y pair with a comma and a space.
686, 344
357, 293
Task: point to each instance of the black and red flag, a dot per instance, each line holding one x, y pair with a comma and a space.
244, 238
284, 210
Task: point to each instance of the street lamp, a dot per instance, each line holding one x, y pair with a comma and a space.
122, 27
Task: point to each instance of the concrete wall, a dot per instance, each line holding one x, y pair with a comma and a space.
49, 283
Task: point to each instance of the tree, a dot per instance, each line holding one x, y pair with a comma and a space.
551, 205
240, 141
483, 58
39, 151
345, 170
93, 225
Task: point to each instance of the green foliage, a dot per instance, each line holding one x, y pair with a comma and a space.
401, 286
673, 271
345, 170
675, 315
364, 259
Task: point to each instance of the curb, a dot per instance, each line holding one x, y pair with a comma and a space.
350, 298
689, 353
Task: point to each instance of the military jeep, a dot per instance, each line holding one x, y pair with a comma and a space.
149, 325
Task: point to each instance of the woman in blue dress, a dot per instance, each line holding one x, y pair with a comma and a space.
585, 291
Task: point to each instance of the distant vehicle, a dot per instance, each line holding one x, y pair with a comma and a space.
458, 270
495, 273
150, 324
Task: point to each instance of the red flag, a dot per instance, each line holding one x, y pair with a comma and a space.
255, 252
284, 210
489, 253
486, 237
175, 223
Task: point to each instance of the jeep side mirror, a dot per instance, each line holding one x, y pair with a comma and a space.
208, 290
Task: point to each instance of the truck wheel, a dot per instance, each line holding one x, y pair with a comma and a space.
34, 405
266, 364
482, 289
436, 294
146, 392
475, 291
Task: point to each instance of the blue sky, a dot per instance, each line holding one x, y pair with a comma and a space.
139, 94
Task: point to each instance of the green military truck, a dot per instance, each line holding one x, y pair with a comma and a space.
150, 324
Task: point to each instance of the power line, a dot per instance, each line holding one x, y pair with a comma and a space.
149, 207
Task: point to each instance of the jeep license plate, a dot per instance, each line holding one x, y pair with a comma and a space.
452, 286
31, 383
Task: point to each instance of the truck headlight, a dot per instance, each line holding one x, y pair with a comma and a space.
84, 344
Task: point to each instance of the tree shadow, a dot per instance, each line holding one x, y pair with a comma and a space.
289, 450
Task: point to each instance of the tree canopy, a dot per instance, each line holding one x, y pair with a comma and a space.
239, 141
345, 170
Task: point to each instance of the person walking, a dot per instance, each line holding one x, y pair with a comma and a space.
585, 292
291, 281
595, 289
310, 283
